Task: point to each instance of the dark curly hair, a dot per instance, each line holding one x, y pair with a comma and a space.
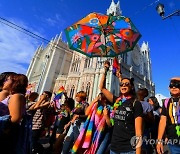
19, 84
69, 102
48, 93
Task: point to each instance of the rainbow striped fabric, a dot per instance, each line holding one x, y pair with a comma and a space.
87, 138
59, 93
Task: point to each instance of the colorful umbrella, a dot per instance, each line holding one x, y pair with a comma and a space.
99, 35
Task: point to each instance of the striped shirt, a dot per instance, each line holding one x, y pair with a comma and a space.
38, 119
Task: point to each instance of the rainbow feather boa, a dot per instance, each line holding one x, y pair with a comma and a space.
87, 138
119, 101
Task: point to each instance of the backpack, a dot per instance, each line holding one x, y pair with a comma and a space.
4, 124
23, 130
166, 102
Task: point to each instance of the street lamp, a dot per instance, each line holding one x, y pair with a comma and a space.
161, 11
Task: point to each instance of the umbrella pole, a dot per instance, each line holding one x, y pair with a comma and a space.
105, 43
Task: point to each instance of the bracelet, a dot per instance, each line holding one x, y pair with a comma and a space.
159, 141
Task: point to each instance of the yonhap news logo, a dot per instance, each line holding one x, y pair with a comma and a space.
137, 141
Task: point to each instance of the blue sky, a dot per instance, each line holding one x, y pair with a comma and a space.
49, 17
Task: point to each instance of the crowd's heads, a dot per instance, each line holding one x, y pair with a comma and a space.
81, 96
33, 96
69, 102
102, 98
48, 95
127, 87
3, 78
154, 102
142, 93
174, 87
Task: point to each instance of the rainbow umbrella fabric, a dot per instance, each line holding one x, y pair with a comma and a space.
99, 35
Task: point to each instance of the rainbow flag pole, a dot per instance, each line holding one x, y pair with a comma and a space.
116, 66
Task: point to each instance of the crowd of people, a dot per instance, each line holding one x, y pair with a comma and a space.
123, 124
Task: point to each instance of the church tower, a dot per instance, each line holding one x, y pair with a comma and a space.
34, 61
48, 63
146, 69
114, 9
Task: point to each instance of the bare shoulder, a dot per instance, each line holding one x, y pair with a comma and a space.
17, 97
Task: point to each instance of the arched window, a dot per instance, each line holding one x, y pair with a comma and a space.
82, 87
72, 92
67, 90
88, 89
124, 58
72, 67
87, 63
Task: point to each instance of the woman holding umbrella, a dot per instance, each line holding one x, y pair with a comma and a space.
127, 131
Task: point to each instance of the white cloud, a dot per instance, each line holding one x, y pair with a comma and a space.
55, 21
160, 97
13, 67
16, 49
51, 21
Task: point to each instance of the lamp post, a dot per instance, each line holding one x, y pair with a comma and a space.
161, 11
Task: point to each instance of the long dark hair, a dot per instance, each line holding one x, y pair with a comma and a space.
155, 102
69, 102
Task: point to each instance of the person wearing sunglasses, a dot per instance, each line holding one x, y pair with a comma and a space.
126, 116
170, 119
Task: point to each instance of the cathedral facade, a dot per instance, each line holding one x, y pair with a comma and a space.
56, 65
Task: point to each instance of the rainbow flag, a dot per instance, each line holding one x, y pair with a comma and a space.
116, 65
90, 135
59, 93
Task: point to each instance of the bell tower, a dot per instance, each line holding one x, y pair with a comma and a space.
114, 9
145, 50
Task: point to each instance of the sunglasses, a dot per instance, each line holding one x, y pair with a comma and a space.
44, 94
124, 84
176, 85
